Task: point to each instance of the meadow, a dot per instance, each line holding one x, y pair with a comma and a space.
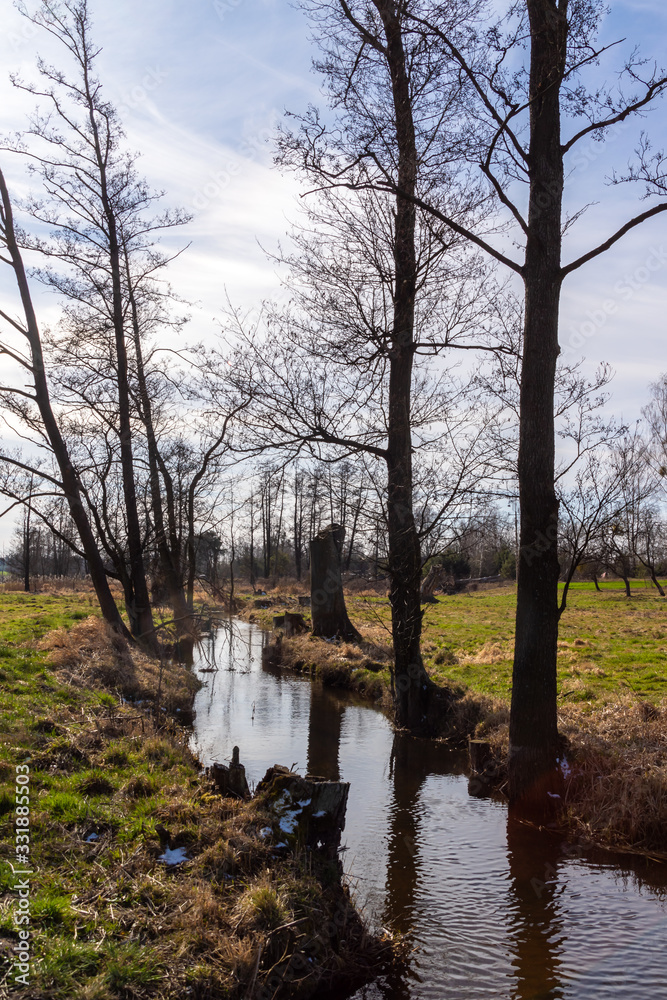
113, 786
612, 691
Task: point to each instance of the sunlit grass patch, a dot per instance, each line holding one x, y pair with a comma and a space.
111, 783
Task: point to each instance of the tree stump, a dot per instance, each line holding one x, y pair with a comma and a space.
305, 812
230, 779
278, 621
431, 581
294, 624
330, 619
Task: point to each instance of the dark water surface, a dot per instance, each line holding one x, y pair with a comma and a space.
491, 909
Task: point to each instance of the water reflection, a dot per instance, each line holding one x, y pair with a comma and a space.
537, 929
492, 909
324, 729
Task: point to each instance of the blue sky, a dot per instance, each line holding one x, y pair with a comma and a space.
201, 86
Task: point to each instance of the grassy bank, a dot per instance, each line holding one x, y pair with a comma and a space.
612, 685
114, 793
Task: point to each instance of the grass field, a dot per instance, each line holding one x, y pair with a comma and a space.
109, 790
609, 644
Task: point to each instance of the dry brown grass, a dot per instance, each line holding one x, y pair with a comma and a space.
617, 791
490, 652
342, 665
91, 654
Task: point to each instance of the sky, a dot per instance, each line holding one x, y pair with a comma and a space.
201, 87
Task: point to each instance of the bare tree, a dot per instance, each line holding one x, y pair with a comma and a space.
376, 288
515, 136
24, 403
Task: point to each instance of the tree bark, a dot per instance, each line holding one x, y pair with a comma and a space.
533, 721
327, 600
412, 687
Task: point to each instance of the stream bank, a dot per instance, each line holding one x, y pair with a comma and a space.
145, 882
615, 787
485, 907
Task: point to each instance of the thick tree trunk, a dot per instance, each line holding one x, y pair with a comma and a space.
412, 687
327, 601
533, 719
70, 481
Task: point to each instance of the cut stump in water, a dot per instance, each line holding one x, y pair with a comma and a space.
329, 614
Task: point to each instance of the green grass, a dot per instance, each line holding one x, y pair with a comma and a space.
30, 616
109, 920
81, 782
608, 643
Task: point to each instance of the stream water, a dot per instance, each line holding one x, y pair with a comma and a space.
491, 908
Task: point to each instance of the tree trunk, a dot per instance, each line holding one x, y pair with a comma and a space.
169, 561
252, 542
656, 582
533, 718
26, 549
141, 612
70, 481
327, 601
595, 581
412, 687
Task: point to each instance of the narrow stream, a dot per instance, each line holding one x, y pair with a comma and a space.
490, 908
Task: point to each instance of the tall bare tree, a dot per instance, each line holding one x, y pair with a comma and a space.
23, 402
379, 287
514, 135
